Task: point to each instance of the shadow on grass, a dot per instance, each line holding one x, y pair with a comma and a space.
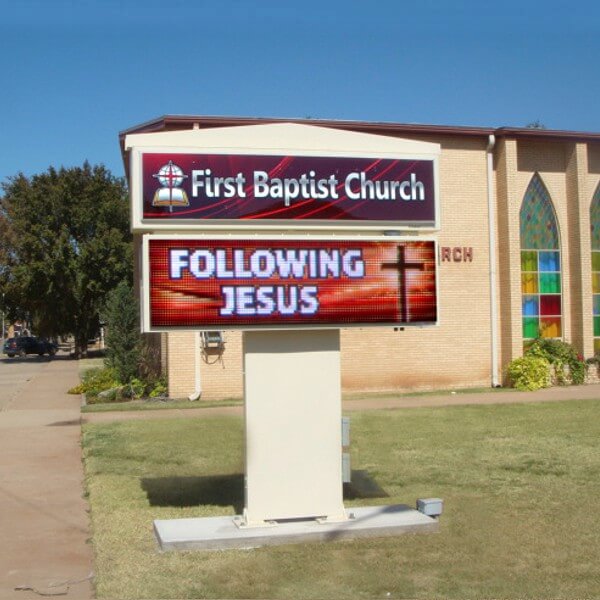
363, 486
215, 490
228, 490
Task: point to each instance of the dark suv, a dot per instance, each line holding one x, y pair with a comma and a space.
21, 346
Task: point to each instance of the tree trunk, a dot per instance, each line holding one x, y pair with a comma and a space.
81, 345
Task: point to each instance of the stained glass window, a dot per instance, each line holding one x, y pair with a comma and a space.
595, 227
540, 265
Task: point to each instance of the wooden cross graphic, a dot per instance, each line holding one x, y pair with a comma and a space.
402, 266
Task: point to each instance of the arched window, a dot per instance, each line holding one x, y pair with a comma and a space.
595, 227
540, 265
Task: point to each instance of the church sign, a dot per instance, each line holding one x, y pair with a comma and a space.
212, 189
204, 283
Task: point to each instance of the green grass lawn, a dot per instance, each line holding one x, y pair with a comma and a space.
161, 404
521, 485
423, 393
157, 404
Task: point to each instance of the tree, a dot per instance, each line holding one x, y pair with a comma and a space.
65, 244
535, 125
123, 339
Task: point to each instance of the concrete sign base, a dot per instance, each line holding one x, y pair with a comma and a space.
223, 533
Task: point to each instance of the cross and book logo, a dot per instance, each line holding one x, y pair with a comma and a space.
170, 177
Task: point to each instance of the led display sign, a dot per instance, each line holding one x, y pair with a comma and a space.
200, 283
225, 188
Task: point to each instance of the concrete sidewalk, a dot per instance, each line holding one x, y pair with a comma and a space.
378, 402
44, 520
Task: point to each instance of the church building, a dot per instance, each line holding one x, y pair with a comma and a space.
516, 232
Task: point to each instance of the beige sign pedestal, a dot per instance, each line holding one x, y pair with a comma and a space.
293, 426
294, 487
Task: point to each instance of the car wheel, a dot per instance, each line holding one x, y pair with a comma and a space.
10, 355
52, 352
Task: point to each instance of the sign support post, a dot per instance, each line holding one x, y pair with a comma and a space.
292, 402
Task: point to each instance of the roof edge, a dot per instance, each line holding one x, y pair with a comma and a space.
224, 121
170, 122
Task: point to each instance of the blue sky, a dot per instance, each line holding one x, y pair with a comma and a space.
75, 73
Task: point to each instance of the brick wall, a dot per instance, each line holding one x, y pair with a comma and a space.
221, 368
456, 352
181, 373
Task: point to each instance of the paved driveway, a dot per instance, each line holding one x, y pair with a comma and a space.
15, 373
43, 516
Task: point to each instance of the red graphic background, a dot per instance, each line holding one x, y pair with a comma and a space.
374, 299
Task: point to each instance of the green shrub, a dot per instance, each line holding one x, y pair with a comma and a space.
560, 355
135, 388
105, 396
135, 361
100, 380
123, 339
95, 381
529, 372
159, 389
